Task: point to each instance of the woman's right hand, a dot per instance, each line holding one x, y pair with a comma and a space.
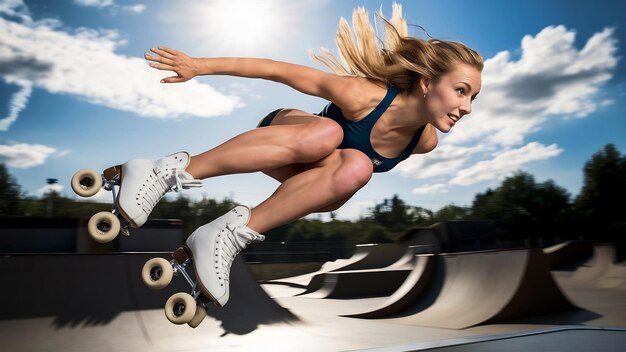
180, 63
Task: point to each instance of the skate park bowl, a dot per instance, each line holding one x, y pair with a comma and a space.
496, 300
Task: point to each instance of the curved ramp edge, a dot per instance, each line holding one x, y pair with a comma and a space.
357, 284
486, 287
368, 256
567, 254
409, 293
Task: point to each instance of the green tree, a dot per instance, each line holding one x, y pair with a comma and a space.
10, 193
524, 208
600, 204
337, 231
451, 212
193, 213
395, 215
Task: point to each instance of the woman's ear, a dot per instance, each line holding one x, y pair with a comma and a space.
424, 83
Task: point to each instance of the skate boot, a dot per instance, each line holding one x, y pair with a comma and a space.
213, 248
144, 182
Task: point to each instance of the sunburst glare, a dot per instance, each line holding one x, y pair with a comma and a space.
245, 26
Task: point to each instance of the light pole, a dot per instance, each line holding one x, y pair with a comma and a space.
50, 181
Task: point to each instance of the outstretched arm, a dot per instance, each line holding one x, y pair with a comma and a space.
338, 89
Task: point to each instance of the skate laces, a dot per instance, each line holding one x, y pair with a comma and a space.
184, 181
234, 240
177, 181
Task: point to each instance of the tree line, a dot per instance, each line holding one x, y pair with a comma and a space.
520, 207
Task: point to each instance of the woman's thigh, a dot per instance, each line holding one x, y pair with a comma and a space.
290, 117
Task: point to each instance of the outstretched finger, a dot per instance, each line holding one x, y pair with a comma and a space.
173, 79
162, 67
159, 51
160, 59
168, 50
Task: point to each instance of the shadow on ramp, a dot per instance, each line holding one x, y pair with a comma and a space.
568, 255
416, 293
93, 289
365, 257
356, 284
249, 305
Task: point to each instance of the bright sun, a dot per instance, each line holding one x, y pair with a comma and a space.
244, 26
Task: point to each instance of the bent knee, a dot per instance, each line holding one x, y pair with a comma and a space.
355, 171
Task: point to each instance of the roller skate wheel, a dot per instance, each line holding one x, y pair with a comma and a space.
198, 317
157, 273
180, 308
86, 183
103, 227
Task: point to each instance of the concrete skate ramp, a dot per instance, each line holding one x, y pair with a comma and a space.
92, 289
365, 282
567, 254
409, 293
601, 271
357, 283
366, 256
378, 256
408, 259
487, 287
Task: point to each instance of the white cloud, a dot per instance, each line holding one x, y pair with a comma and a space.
17, 104
112, 5
61, 153
552, 77
137, 8
84, 64
505, 163
23, 156
606, 102
95, 3
15, 9
438, 188
443, 161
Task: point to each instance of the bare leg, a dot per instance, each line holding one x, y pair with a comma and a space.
299, 150
325, 183
269, 148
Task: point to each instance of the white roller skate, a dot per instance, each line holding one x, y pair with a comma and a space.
214, 247
210, 250
142, 183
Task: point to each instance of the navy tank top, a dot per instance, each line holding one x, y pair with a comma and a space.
356, 135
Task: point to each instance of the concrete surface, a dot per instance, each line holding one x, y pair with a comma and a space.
67, 304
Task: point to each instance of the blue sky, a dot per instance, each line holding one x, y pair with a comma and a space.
76, 93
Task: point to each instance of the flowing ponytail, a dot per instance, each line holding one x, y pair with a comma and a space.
400, 60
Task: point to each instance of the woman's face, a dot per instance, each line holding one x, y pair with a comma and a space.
450, 98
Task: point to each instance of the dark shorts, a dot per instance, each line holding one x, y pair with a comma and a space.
267, 120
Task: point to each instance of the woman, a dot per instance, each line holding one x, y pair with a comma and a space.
386, 104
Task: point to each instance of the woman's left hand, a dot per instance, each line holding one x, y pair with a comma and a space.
172, 60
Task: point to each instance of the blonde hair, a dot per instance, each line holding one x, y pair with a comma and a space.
400, 60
